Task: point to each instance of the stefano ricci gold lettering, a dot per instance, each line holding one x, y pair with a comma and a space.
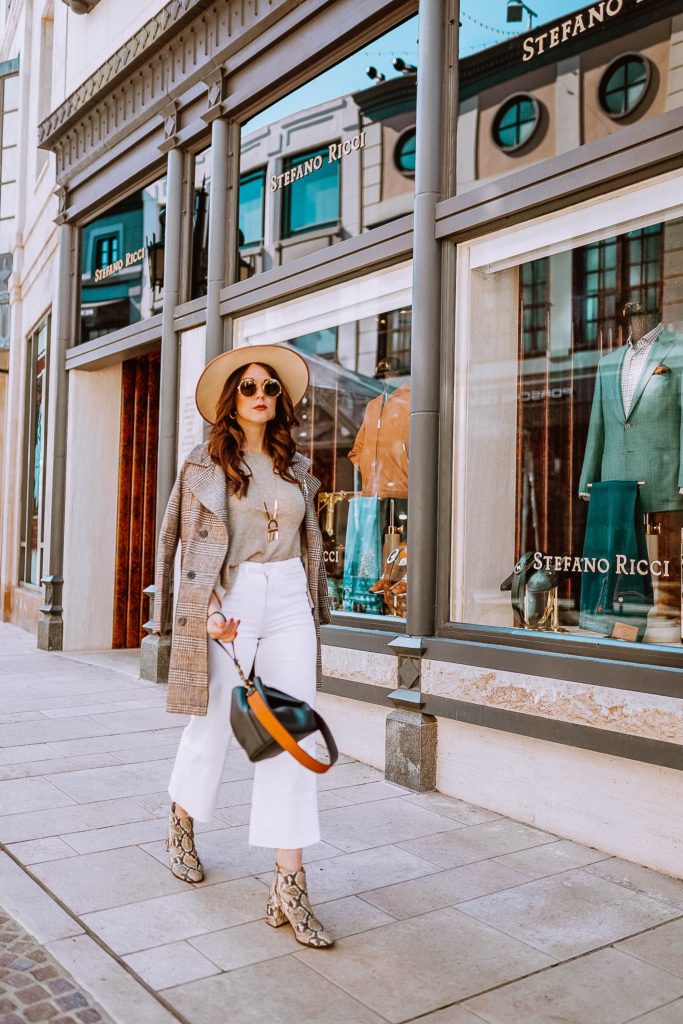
622, 565
335, 151
136, 256
575, 25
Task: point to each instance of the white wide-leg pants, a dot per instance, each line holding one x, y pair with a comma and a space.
278, 632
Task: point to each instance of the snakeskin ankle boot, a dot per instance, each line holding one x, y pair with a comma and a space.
288, 901
185, 862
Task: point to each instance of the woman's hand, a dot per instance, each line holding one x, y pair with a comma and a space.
220, 628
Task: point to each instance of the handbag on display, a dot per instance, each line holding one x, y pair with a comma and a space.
393, 583
266, 721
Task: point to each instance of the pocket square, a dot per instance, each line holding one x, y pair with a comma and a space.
661, 370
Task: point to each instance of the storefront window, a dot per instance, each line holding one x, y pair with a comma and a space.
33, 483
354, 425
552, 82
122, 263
322, 164
569, 479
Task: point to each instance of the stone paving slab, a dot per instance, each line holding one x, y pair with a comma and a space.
444, 913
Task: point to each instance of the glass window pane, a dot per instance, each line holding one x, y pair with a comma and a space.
122, 262
8, 199
583, 510
10, 93
354, 425
357, 116
8, 170
10, 127
252, 189
312, 199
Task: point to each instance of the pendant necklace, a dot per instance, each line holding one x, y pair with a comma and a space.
271, 518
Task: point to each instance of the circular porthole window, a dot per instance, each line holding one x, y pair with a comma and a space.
516, 122
624, 84
404, 152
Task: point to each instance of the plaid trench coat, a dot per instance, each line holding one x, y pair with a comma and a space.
197, 516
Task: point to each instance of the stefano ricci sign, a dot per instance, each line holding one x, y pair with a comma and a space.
587, 20
129, 259
335, 151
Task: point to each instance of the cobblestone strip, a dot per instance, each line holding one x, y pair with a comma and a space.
33, 987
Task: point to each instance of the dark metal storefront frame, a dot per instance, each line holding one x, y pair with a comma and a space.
300, 40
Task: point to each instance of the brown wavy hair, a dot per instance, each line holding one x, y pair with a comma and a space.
227, 440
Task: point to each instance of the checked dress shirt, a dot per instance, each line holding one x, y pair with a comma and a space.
636, 356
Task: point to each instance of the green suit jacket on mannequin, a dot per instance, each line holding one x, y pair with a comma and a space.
648, 443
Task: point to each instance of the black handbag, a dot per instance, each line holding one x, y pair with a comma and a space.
266, 721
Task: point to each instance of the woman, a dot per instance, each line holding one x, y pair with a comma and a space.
251, 571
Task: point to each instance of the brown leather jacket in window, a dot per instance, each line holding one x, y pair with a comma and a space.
381, 447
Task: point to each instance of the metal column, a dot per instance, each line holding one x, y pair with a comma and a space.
218, 233
410, 734
50, 623
155, 650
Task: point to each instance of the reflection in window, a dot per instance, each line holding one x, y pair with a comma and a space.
200, 223
122, 263
624, 85
404, 153
33, 483
354, 426
516, 122
311, 201
608, 273
106, 251
572, 454
534, 287
319, 343
252, 188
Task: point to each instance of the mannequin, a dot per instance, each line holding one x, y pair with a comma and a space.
380, 450
635, 434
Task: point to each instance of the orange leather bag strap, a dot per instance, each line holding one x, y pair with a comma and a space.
285, 738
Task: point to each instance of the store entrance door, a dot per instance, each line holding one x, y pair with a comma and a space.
136, 515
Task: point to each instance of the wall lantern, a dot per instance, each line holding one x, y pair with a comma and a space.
81, 6
515, 12
155, 256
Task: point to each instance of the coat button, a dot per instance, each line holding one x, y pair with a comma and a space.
191, 574
203, 533
182, 620
627, 426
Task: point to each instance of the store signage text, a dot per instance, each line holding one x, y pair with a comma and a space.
335, 151
584, 21
623, 565
113, 268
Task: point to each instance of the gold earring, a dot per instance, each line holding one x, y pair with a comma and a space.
233, 415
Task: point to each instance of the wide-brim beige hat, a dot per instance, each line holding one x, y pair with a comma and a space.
290, 367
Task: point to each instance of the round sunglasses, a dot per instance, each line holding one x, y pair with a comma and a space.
248, 387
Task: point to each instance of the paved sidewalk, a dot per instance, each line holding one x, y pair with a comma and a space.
443, 911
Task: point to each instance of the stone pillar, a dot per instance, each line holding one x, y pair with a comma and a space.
411, 735
50, 622
155, 650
